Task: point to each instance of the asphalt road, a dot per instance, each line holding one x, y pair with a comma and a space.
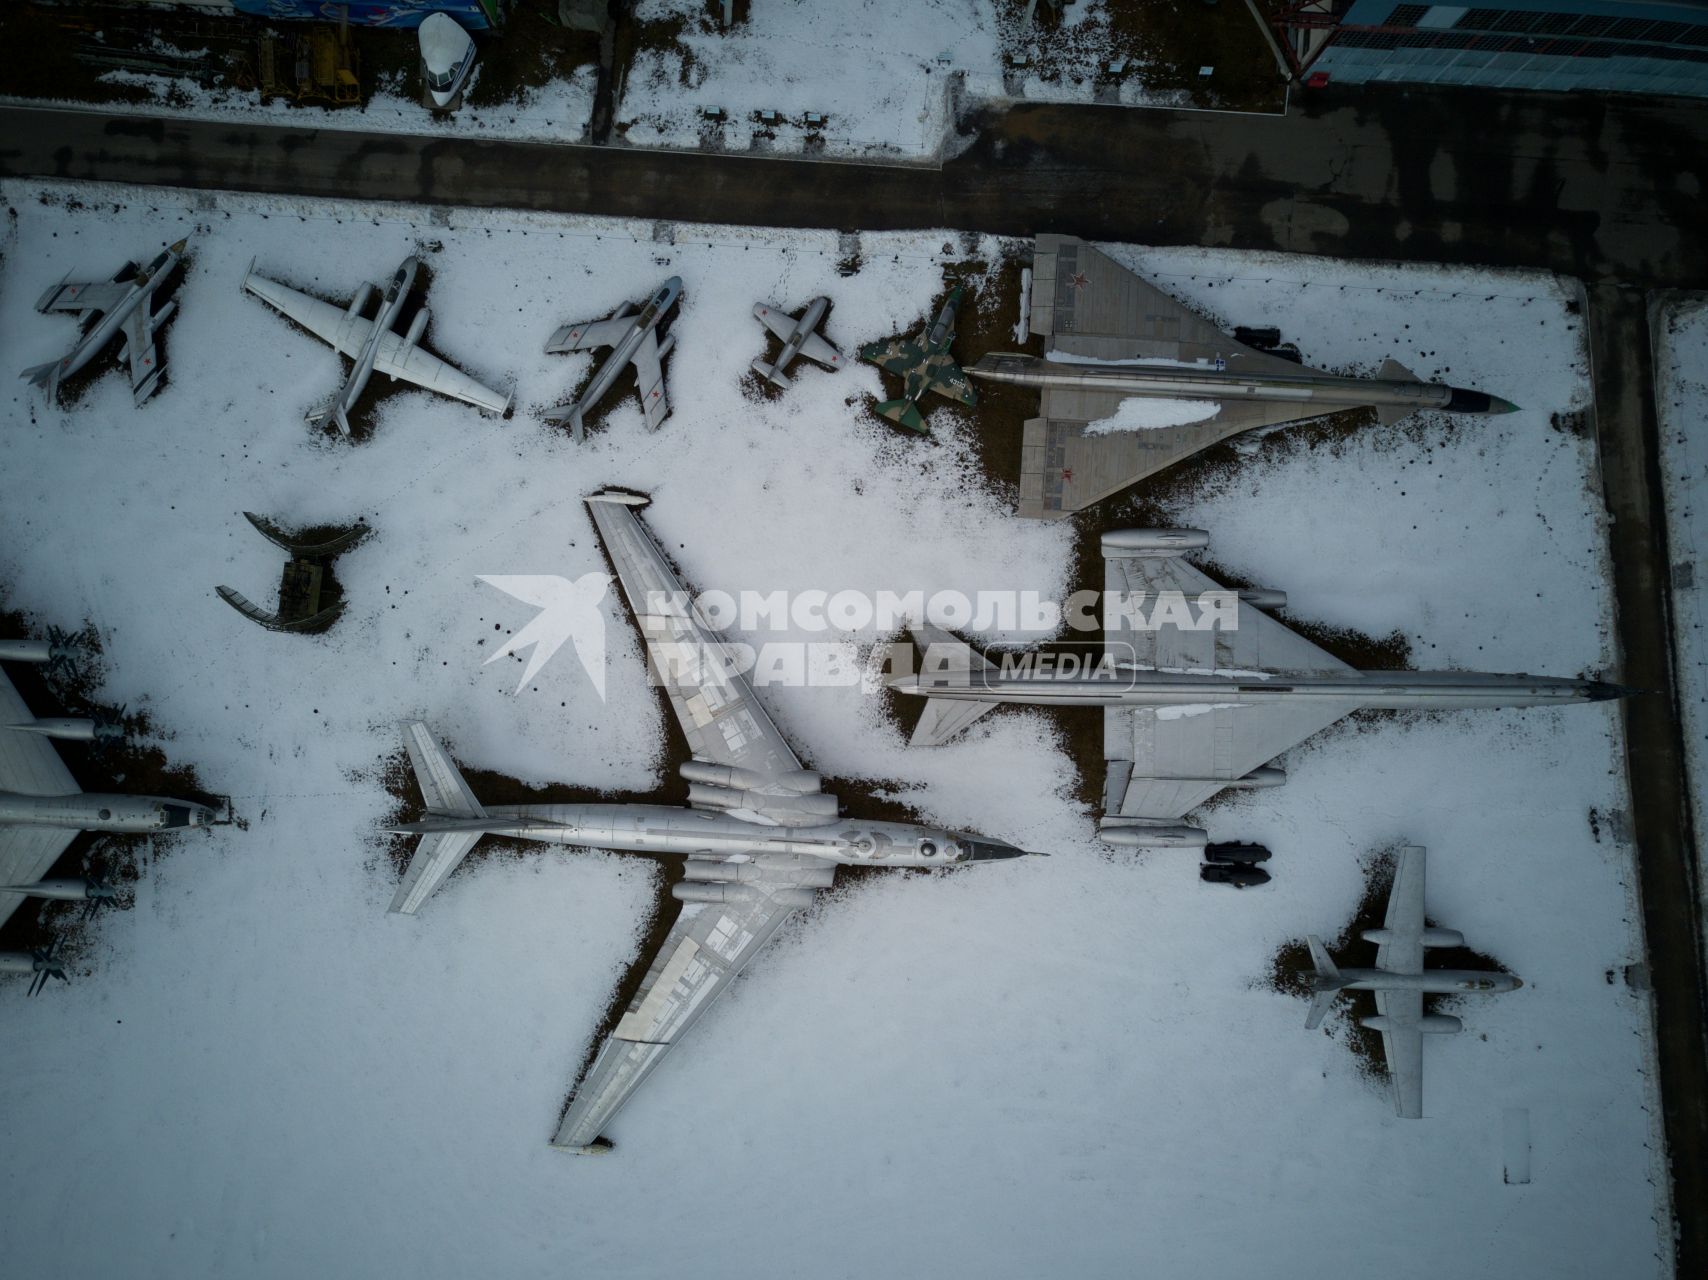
1608, 190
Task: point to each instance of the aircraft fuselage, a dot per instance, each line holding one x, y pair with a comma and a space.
91, 811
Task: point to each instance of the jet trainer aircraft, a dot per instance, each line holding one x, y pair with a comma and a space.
126, 302
633, 339
924, 364
759, 838
42, 808
372, 344
1400, 982
1213, 690
799, 337
1122, 338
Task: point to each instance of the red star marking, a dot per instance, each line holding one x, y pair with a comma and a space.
1078, 280
1067, 473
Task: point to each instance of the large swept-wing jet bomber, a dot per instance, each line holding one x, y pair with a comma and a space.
633, 339
759, 838
924, 364
41, 807
1400, 982
373, 344
126, 302
1111, 336
1201, 688
798, 336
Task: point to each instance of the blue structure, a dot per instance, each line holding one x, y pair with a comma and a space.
1618, 46
474, 15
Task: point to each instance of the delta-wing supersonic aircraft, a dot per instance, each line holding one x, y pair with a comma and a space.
1200, 687
1112, 337
126, 303
633, 339
758, 840
1400, 982
373, 344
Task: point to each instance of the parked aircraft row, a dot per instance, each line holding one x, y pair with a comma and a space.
1109, 336
1191, 711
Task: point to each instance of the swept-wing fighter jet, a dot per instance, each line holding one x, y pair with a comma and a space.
924, 364
124, 303
799, 337
1213, 689
41, 807
372, 344
759, 838
633, 339
1112, 337
1400, 982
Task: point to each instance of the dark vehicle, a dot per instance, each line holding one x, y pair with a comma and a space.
1246, 853
1238, 874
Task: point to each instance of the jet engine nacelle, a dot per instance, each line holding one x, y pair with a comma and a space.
710, 871
1430, 1024
686, 891
1154, 542
1263, 598
357, 304
790, 809
1159, 835
417, 327
798, 781
1431, 937
70, 729
665, 347
1265, 775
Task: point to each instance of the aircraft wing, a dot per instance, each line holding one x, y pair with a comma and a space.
707, 946
649, 378
775, 319
589, 334
945, 377
714, 704
898, 355
1403, 951
139, 346
816, 348
1402, 1046
28, 766
332, 325
83, 297
1164, 761
424, 369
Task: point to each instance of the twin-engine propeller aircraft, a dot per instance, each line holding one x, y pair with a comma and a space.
42, 808
633, 339
924, 364
798, 336
1201, 688
126, 303
1400, 982
759, 838
373, 344
1111, 337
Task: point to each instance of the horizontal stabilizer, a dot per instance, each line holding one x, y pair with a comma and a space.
904, 413
770, 373
1328, 983
42, 375
943, 718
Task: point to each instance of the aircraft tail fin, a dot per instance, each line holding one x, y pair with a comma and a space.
770, 373
904, 413
1328, 983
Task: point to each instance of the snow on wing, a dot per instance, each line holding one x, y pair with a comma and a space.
714, 704
426, 370
700, 956
588, 334
1402, 1048
332, 325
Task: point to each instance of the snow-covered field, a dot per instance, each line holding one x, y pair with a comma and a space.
1068, 1066
1681, 402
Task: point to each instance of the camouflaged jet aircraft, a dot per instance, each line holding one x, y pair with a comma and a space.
1400, 982
372, 344
924, 364
759, 838
1200, 687
125, 302
1112, 337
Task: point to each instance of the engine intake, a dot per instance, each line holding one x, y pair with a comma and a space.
1153, 542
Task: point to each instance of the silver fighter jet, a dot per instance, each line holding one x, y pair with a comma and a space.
1400, 982
1201, 688
633, 339
373, 344
1122, 338
125, 303
41, 807
758, 839
799, 338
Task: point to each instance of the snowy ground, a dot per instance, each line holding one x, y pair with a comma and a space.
1681, 401
1050, 1066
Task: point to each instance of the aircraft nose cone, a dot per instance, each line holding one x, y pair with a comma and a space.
1498, 405
1603, 691
1517, 983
